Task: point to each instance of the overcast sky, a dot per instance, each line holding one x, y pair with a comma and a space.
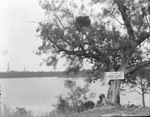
18, 35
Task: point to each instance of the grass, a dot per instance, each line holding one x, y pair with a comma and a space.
111, 111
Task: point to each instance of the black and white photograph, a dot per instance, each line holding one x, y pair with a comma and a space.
74, 58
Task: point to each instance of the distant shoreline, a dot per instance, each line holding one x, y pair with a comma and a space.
57, 74
42, 77
27, 77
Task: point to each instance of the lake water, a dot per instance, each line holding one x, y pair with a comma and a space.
38, 94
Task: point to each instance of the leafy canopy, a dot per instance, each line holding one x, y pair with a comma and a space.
107, 34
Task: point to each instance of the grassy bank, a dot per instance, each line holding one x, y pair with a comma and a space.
96, 112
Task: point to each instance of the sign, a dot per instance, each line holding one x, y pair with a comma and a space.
114, 75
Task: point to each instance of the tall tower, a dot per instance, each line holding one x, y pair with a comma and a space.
24, 69
8, 68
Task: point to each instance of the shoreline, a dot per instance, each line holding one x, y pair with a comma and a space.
42, 77
58, 74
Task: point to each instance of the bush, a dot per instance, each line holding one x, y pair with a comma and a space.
76, 100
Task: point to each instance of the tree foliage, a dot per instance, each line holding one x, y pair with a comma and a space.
77, 94
139, 82
111, 35
139, 75
79, 37
76, 100
62, 105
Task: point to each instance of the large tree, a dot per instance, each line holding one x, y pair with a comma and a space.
140, 82
108, 34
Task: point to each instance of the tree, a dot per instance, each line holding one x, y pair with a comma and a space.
77, 95
140, 81
111, 39
62, 105
76, 100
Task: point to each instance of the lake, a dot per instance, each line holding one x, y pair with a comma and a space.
39, 94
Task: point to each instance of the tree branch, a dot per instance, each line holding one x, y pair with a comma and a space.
146, 88
76, 53
58, 19
147, 22
131, 70
132, 39
134, 90
147, 49
122, 8
138, 92
138, 86
118, 20
142, 37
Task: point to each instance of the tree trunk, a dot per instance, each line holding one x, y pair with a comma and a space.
143, 98
113, 95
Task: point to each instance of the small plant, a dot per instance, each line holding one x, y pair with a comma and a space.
76, 100
62, 105
18, 112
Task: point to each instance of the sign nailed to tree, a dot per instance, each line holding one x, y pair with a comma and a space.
114, 75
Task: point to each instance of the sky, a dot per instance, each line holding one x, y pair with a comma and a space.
18, 37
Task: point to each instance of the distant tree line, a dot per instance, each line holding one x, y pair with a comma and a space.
27, 74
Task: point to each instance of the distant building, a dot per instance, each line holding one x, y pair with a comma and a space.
8, 68
24, 69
